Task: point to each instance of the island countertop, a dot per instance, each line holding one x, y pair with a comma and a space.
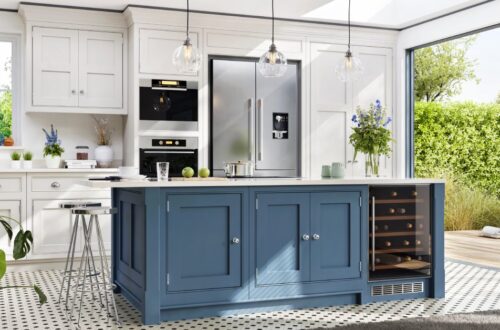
255, 182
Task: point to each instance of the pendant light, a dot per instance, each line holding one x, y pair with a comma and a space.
187, 58
350, 67
273, 63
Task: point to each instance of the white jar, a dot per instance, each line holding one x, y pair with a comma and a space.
103, 156
52, 161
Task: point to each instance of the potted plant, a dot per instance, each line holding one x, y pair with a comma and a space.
22, 245
103, 153
16, 160
371, 136
28, 160
52, 151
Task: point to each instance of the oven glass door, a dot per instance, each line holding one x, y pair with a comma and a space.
165, 105
178, 159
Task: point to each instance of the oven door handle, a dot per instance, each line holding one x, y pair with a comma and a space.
168, 152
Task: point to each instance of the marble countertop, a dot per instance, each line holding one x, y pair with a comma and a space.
225, 182
58, 170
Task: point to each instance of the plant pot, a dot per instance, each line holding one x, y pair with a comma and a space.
28, 164
53, 161
103, 156
16, 164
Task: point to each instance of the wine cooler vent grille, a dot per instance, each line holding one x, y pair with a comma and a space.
402, 288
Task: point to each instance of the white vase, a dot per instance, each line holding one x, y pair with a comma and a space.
53, 161
28, 164
16, 164
103, 156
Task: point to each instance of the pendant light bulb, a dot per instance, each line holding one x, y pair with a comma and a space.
349, 67
187, 58
272, 63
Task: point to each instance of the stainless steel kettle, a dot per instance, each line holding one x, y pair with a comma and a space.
238, 169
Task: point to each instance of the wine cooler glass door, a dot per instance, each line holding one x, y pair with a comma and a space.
400, 232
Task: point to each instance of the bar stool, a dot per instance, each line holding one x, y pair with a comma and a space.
68, 268
87, 269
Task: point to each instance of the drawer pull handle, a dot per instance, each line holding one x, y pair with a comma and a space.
235, 240
305, 237
55, 185
315, 237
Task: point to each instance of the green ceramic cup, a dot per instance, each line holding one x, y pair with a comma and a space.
325, 171
337, 170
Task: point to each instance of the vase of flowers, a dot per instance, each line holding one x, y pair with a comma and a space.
371, 136
103, 153
52, 151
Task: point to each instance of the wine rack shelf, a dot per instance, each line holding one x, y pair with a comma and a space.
398, 201
398, 234
397, 217
397, 250
413, 265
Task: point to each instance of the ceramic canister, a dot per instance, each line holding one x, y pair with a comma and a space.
337, 170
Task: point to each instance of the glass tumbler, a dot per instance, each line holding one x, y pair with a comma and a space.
162, 171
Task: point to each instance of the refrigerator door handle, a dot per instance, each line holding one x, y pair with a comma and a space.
251, 128
260, 145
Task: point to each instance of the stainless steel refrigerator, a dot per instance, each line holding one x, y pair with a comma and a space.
254, 118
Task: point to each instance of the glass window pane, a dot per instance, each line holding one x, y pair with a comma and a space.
5, 88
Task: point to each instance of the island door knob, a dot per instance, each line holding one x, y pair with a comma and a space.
55, 184
315, 237
235, 240
305, 237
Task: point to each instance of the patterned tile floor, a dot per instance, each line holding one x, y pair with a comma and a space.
469, 288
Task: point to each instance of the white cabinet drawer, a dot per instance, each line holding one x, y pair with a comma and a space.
59, 184
11, 185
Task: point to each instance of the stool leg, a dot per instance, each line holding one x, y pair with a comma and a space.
69, 260
92, 269
102, 253
86, 263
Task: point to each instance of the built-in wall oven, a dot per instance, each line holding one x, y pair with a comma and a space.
168, 104
179, 153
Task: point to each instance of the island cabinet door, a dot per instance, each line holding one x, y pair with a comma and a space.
335, 235
282, 238
204, 241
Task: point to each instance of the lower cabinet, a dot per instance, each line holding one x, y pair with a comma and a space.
9, 209
204, 241
304, 237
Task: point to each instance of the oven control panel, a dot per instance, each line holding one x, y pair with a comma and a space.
168, 143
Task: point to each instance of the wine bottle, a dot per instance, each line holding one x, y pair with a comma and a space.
402, 210
388, 259
394, 194
407, 258
414, 193
406, 242
388, 243
392, 210
418, 242
386, 227
409, 226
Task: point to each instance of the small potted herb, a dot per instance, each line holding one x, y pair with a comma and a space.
16, 160
28, 160
52, 151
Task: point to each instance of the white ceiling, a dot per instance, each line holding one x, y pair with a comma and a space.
382, 13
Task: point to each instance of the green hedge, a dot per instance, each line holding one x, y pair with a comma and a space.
461, 139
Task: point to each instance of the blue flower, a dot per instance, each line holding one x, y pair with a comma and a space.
378, 105
389, 119
354, 119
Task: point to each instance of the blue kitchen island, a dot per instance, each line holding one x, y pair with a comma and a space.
194, 248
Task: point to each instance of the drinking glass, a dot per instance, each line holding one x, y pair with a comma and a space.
162, 171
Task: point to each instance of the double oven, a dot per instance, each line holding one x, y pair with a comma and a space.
167, 105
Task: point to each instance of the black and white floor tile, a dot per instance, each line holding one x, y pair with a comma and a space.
469, 288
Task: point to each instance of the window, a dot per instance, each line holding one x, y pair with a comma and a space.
9, 63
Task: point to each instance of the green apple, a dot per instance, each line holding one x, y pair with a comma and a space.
204, 172
187, 172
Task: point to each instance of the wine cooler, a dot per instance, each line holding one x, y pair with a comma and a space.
400, 232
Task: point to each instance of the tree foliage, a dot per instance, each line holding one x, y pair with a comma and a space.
462, 139
440, 70
6, 113
498, 98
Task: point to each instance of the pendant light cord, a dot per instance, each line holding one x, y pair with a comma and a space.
272, 11
349, 26
187, 20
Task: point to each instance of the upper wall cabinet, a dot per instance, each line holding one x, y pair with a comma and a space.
77, 71
156, 49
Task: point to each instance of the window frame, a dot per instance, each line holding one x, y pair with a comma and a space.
15, 40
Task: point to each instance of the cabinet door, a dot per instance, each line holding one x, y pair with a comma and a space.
55, 67
335, 251
157, 47
10, 209
100, 69
282, 255
204, 248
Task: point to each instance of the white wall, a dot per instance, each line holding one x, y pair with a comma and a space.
476, 18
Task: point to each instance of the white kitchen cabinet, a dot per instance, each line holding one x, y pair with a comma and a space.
10, 209
156, 48
12, 205
55, 67
77, 71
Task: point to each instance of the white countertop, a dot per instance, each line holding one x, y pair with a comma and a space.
223, 182
58, 170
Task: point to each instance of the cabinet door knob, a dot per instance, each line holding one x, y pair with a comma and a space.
235, 240
305, 237
81, 91
55, 184
315, 237
73, 91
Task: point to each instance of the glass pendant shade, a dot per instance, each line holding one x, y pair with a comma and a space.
187, 58
273, 63
349, 68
